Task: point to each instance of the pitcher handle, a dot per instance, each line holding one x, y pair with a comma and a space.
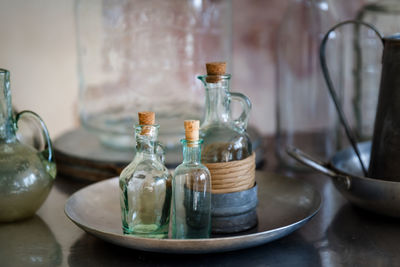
331, 88
241, 122
45, 133
160, 151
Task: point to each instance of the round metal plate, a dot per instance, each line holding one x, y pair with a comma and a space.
285, 204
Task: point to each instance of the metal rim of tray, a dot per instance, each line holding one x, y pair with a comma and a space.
186, 246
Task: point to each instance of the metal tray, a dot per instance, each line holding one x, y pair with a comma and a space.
285, 204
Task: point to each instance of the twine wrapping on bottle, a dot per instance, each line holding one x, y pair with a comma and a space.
232, 176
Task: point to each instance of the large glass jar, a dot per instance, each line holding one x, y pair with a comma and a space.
385, 16
306, 117
142, 55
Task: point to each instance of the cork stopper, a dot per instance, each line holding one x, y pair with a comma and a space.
192, 131
146, 118
215, 68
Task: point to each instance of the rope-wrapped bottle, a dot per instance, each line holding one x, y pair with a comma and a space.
227, 150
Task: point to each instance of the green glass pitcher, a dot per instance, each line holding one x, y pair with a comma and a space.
26, 174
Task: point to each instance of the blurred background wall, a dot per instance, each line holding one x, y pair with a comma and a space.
38, 46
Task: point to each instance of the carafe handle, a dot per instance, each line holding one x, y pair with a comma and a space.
241, 122
47, 150
160, 151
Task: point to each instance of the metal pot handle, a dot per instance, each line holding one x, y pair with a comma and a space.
335, 98
317, 165
344, 181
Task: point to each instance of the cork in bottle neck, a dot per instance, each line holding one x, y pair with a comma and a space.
146, 118
192, 132
214, 71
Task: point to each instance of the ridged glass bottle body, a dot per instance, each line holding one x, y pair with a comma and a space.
191, 206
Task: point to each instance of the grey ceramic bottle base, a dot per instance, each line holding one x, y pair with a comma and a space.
234, 212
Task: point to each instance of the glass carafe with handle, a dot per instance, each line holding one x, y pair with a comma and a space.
225, 138
26, 174
227, 151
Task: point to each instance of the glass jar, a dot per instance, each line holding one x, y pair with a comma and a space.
142, 55
305, 114
145, 186
385, 16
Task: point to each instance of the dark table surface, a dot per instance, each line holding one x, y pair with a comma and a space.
339, 235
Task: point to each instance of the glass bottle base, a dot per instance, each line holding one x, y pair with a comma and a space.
147, 230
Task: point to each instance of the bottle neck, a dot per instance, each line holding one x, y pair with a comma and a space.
7, 132
217, 100
144, 146
146, 139
191, 152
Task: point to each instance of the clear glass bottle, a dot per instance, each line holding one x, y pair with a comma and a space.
225, 138
305, 114
145, 186
26, 173
385, 16
191, 208
123, 43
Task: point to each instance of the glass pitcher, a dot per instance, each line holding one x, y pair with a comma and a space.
225, 138
26, 175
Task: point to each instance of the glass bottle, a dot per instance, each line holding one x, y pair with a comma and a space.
145, 185
26, 173
225, 138
305, 114
385, 16
191, 208
118, 50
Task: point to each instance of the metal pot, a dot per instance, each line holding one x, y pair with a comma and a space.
376, 195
